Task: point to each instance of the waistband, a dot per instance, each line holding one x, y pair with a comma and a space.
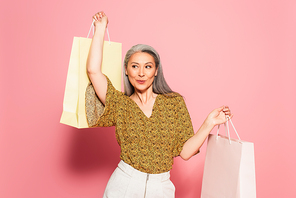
139, 175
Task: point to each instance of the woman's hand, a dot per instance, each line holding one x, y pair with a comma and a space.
100, 19
219, 116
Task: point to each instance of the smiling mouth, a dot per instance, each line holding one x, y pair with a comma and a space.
141, 81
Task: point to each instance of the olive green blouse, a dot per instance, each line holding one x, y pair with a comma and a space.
147, 144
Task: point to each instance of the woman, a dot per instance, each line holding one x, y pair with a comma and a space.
152, 122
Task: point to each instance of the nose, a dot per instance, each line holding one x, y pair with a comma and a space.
141, 72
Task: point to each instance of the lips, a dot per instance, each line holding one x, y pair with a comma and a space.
141, 81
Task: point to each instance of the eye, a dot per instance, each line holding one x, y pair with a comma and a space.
148, 66
134, 66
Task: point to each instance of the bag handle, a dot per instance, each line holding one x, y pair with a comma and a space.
227, 130
93, 28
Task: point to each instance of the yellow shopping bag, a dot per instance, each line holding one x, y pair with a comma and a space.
77, 78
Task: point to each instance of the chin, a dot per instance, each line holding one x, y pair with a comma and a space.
142, 88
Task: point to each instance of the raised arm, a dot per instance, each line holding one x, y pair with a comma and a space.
95, 56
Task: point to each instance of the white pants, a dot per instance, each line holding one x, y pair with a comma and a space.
128, 182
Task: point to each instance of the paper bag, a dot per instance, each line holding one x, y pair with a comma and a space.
229, 170
77, 78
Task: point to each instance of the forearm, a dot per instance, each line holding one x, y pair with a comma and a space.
95, 55
94, 63
216, 117
193, 144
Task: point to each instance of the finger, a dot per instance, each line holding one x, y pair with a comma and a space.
97, 17
226, 108
229, 117
102, 14
220, 109
227, 112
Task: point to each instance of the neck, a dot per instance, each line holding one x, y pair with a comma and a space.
143, 97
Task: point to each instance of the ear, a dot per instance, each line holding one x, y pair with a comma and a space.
125, 70
156, 72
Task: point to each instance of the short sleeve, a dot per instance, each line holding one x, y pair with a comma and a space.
184, 128
97, 114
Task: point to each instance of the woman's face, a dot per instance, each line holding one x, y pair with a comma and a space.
141, 71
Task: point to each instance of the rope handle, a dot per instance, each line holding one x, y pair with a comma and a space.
92, 27
227, 130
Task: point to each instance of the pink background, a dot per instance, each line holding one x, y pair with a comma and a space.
239, 53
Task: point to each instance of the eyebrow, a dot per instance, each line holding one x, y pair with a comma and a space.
145, 63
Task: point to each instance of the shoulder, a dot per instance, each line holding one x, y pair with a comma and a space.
173, 99
115, 96
111, 88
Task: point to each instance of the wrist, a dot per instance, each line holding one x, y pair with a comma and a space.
209, 123
101, 26
99, 32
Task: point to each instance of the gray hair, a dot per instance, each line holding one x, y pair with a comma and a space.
159, 85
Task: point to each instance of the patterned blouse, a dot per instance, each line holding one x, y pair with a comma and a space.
147, 144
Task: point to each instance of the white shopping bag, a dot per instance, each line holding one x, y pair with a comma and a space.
229, 170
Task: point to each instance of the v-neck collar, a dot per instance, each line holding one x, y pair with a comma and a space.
141, 112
